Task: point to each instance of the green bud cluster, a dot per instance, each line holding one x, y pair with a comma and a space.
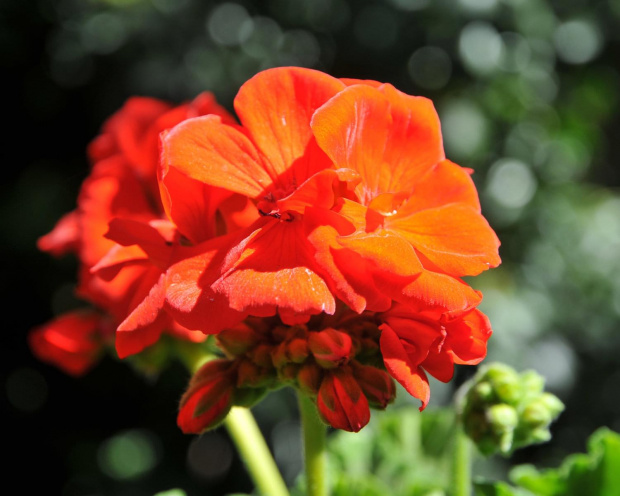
502, 410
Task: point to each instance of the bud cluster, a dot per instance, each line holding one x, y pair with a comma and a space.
503, 410
334, 359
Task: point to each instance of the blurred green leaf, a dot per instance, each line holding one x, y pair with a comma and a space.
401, 452
497, 489
595, 472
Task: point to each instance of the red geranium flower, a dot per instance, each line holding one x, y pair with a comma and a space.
356, 198
272, 159
122, 190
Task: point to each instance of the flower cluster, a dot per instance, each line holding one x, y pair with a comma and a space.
323, 238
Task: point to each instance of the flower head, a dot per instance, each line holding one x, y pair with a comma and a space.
323, 238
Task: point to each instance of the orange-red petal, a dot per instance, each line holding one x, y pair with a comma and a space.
71, 342
189, 297
216, 154
390, 138
64, 238
400, 367
444, 183
274, 267
276, 106
454, 237
190, 203
145, 323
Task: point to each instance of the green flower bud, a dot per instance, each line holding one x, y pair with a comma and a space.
484, 391
502, 417
502, 410
536, 415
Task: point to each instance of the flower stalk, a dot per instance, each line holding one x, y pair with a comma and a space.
461, 463
255, 453
314, 434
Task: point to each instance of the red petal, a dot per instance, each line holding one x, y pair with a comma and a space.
455, 237
190, 204
216, 154
71, 342
144, 325
390, 138
117, 258
64, 238
274, 268
358, 263
468, 336
154, 239
440, 366
127, 130
276, 106
443, 184
112, 190
433, 289
189, 297
320, 190
397, 362
368, 82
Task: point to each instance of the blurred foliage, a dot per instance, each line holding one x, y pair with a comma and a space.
527, 92
595, 473
400, 453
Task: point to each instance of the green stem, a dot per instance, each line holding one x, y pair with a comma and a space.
255, 453
315, 455
461, 464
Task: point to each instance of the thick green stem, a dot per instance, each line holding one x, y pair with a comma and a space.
461, 464
255, 453
315, 455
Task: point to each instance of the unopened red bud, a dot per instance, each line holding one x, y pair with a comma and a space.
377, 385
331, 348
209, 397
297, 350
341, 402
279, 357
237, 340
309, 378
261, 355
251, 375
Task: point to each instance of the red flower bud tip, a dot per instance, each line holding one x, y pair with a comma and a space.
331, 348
279, 357
209, 397
341, 401
297, 350
377, 385
309, 378
261, 355
251, 375
237, 340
